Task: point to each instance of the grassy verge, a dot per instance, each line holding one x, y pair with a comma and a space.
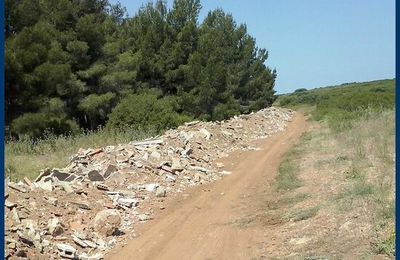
357, 123
27, 157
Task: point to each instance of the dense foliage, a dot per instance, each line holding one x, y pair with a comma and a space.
339, 105
70, 62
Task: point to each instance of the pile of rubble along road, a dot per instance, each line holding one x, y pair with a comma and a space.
84, 209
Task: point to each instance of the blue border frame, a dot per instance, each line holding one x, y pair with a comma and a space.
2, 79
397, 121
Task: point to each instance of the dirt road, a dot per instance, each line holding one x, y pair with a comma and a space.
203, 223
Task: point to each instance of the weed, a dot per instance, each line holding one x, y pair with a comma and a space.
303, 214
287, 178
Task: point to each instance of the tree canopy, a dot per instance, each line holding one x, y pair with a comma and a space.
73, 63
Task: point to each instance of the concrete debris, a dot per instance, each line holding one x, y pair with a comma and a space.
67, 187
10, 204
44, 185
106, 222
17, 187
161, 192
143, 217
110, 169
52, 201
54, 226
104, 192
127, 202
151, 187
147, 142
94, 175
191, 123
66, 251
207, 135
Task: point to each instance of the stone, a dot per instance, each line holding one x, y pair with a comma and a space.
15, 215
96, 151
111, 168
66, 251
80, 205
17, 187
127, 202
151, 187
192, 123
161, 192
44, 185
225, 173
67, 187
147, 142
200, 169
61, 176
170, 178
78, 241
27, 181
155, 155
44, 173
94, 175
106, 222
176, 164
80, 234
90, 243
207, 135
26, 239
138, 164
143, 217
52, 201
9, 204
219, 165
54, 226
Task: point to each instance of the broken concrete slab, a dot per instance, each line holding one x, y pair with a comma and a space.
94, 175
17, 187
60, 175
111, 168
66, 251
44, 185
147, 142
128, 202
54, 227
43, 173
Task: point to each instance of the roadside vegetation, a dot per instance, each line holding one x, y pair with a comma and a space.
83, 74
347, 158
26, 157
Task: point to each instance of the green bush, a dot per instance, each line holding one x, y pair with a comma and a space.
35, 125
146, 111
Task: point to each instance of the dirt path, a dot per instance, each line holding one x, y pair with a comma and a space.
203, 224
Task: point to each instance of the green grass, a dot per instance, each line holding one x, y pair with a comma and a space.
27, 157
340, 105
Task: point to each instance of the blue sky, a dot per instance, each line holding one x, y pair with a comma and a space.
315, 43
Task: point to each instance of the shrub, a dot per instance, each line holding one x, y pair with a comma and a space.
146, 111
34, 125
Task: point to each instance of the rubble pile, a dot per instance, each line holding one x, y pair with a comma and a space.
84, 209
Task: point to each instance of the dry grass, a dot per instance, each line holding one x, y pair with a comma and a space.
27, 157
349, 176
